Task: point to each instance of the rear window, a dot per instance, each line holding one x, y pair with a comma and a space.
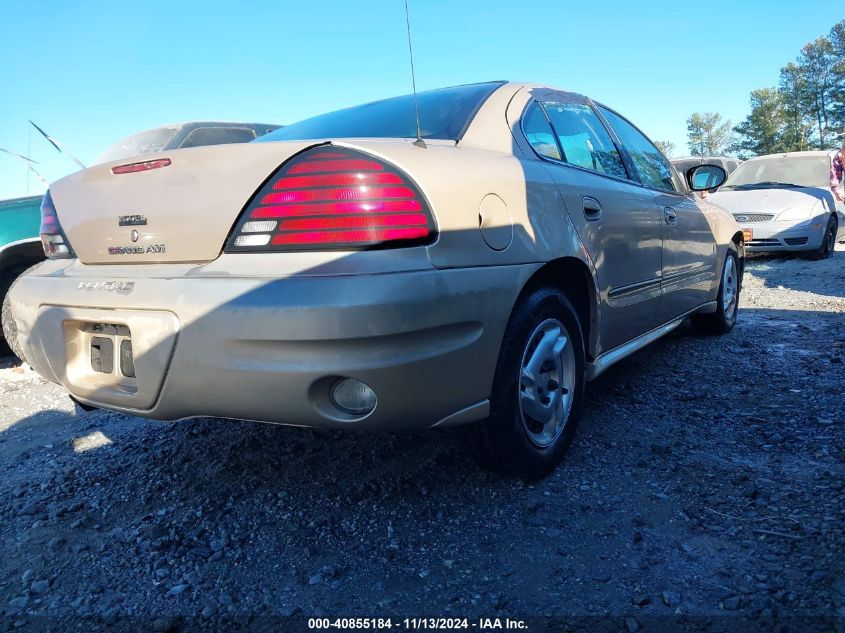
141, 143
444, 114
218, 136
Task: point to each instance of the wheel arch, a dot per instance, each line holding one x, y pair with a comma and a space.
576, 280
739, 242
18, 256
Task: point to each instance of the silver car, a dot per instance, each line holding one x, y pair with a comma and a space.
783, 202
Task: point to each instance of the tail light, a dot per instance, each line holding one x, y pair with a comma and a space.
331, 198
53, 238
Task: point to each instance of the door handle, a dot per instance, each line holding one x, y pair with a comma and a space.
592, 209
670, 215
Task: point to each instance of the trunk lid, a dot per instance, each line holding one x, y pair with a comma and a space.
182, 212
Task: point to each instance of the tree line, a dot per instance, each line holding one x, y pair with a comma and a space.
804, 111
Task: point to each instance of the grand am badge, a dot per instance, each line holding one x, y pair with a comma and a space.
137, 250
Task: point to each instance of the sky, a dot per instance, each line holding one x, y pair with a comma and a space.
90, 72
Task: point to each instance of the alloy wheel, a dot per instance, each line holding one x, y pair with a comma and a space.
546, 382
730, 289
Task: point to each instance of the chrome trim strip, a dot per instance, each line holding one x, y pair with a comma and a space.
690, 272
640, 285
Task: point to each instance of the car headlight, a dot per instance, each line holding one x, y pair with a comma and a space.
795, 215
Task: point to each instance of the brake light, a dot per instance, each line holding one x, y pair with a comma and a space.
334, 199
146, 165
53, 238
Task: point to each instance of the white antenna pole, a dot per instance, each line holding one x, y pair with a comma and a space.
26, 161
419, 142
28, 153
58, 146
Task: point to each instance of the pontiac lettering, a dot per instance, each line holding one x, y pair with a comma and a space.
121, 287
132, 220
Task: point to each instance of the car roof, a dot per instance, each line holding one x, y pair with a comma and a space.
822, 152
720, 157
535, 86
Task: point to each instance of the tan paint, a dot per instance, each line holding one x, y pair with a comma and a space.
495, 222
262, 336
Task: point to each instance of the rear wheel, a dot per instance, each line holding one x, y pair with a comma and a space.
538, 387
727, 303
825, 249
9, 329
8, 324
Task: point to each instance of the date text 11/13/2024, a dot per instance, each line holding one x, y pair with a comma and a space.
435, 624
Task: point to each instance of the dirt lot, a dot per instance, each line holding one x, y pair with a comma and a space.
706, 484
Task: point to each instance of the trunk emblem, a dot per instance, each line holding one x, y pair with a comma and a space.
134, 235
131, 220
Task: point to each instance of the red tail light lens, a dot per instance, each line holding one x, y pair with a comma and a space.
52, 237
330, 198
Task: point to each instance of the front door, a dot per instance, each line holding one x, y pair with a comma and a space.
689, 253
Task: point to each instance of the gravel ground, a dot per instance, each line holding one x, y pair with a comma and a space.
706, 485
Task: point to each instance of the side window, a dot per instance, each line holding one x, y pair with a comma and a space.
655, 171
584, 140
539, 133
218, 136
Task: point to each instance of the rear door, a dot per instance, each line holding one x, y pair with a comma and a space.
689, 249
615, 217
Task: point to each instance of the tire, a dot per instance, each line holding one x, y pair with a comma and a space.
8, 324
9, 328
727, 302
544, 340
825, 249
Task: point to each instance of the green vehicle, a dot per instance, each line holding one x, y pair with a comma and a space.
20, 242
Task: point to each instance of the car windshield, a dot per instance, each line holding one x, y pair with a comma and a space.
786, 171
144, 142
444, 114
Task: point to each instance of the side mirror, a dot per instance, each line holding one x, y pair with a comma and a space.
704, 177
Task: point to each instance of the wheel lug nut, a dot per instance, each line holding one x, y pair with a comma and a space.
553, 385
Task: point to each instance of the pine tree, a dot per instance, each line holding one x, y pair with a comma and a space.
708, 134
795, 135
762, 130
817, 61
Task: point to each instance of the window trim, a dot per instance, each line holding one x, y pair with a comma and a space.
613, 139
678, 192
545, 114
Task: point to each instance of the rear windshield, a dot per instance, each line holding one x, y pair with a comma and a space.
141, 143
787, 171
444, 114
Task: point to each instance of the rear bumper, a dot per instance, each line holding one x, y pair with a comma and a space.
269, 349
774, 236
